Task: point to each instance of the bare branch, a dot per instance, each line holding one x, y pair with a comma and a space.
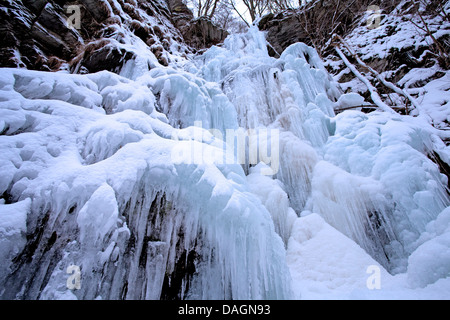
373, 91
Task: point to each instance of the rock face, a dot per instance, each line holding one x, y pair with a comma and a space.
283, 29
37, 34
315, 23
399, 46
180, 13
32, 36
199, 33
202, 33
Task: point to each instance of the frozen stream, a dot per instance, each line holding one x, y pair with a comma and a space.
225, 177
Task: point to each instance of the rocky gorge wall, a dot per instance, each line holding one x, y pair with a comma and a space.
89, 36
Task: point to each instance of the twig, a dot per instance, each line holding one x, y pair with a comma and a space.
388, 84
373, 91
356, 107
369, 106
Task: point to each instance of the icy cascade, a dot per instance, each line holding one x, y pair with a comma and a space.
292, 94
100, 191
369, 176
130, 179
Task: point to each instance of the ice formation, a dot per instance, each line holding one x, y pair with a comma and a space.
99, 171
107, 197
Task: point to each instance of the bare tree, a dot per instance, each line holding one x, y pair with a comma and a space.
254, 8
233, 5
204, 8
320, 19
245, 9
280, 5
226, 18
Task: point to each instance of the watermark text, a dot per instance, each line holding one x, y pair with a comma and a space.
240, 146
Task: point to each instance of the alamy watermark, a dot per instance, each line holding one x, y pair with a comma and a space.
74, 19
373, 282
74, 280
240, 146
374, 19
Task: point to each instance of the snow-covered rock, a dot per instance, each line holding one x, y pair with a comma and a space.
223, 176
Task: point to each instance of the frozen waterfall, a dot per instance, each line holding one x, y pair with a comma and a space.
208, 180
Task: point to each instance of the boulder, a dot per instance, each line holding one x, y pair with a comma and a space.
108, 58
199, 33
283, 29
202, 34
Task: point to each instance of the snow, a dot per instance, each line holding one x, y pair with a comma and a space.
401, 39
13, 229
275, 199
396, 31
325, 264
99, 163
376, 186
133, 175
430, 261
98, 216
350, 100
